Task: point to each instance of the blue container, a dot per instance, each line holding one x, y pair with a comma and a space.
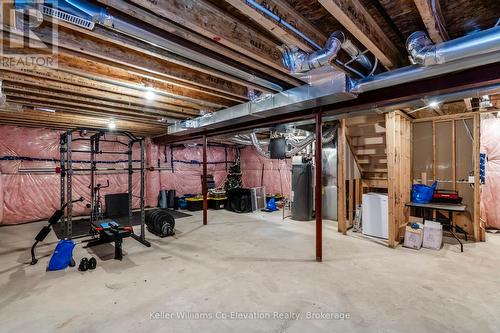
422, 193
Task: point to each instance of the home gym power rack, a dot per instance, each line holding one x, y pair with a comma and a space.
95, 137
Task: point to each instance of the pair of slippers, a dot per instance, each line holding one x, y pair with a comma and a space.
86, 264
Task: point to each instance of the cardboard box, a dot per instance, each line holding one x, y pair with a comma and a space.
414, 237
433, 235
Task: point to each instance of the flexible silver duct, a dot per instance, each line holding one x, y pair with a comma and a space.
327, 137
356, 54
258, 146
424, 52
297, 61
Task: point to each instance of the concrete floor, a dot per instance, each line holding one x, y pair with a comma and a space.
247, 263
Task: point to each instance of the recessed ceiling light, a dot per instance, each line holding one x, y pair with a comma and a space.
150, 94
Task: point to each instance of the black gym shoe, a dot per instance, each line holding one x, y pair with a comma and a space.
84, 265
92, 263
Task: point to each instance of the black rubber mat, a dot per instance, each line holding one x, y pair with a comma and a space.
81, 227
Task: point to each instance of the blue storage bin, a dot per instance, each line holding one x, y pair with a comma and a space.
422, 193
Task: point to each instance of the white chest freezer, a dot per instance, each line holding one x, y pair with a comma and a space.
374, 215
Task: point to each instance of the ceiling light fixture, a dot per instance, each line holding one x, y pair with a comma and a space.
45, 109
150, 94
111, 125
433, 105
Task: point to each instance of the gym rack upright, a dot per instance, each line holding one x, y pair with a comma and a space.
95, 137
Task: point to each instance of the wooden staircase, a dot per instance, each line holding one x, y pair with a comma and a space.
366, 139
381, 148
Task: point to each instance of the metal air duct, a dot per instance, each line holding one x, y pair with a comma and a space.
298, 61
424, 52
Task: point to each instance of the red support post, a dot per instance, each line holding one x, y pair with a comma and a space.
204, 182
318, 157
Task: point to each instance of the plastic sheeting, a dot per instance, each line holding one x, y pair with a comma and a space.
490, 144
275, 175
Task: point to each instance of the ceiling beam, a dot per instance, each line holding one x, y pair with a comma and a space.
30, 91
356, 19
80, 81
28, 117
119, 54
40, 80
188, 38
156, 51
431, 21
75, 105
204, 18
98, 71
287, 14
85, 110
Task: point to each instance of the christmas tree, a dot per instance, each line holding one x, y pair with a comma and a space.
233, 179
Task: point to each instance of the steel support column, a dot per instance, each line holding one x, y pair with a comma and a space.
204, 182
318, 195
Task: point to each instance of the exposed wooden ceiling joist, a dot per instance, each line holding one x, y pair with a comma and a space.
68, 102
38, 81
183, 34
274, 27
66, 121
431, 22
117, 53
207, 20
137, 110
356, 19
116, 75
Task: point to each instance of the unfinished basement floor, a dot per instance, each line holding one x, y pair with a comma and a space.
246, 263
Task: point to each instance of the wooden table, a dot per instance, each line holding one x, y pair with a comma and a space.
450, 208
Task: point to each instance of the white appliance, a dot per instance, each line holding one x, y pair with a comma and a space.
374, 216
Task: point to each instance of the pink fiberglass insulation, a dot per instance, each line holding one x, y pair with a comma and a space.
186, 177
1, 198
35, 196
257, 171
490, 191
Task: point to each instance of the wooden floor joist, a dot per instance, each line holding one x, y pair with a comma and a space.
132, 53
151, 17
207, 20
356, 19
